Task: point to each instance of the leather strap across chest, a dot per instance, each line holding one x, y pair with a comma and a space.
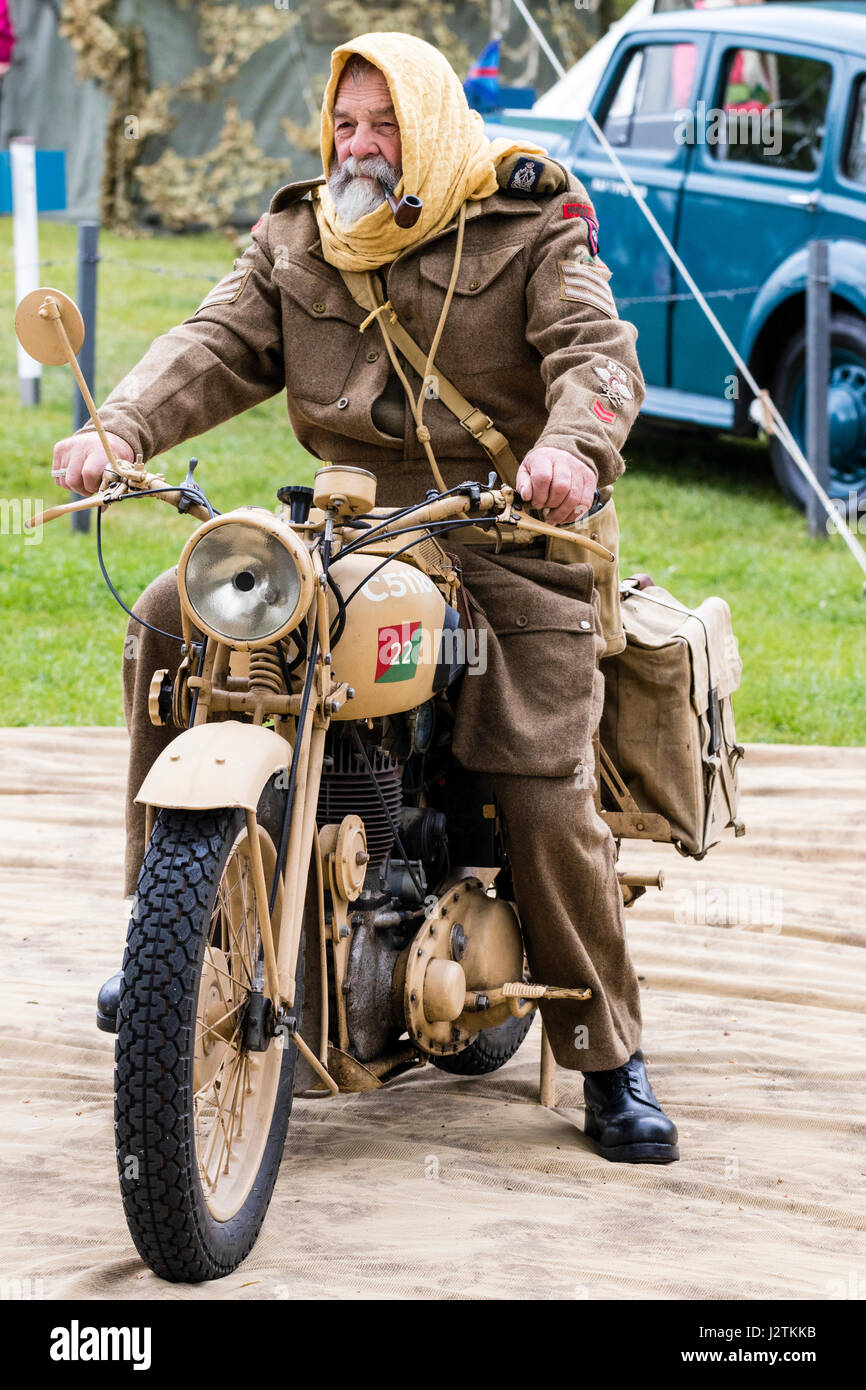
366, 290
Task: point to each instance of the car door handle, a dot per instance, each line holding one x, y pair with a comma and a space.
810, 201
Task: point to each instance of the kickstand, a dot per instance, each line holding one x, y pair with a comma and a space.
547, 1072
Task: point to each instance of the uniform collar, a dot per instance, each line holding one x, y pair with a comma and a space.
292, 193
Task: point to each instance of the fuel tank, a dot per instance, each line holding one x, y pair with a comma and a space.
401, 642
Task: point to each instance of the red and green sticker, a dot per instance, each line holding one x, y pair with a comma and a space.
397, 651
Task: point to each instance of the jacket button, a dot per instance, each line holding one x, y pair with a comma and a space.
521, 620
320, 306
585, 625
341, 405
474, 284
372, 356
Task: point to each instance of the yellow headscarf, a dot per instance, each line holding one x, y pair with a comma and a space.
446, 156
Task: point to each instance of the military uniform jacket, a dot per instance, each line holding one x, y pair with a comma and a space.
532, 338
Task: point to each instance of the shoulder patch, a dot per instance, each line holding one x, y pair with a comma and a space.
587, 284
228, 289
525, 175
587, 212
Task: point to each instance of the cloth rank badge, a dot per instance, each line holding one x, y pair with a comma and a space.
228, 289
587, 284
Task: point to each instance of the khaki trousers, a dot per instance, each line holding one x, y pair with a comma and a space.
527, 719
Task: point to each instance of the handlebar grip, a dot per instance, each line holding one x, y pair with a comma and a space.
61, 509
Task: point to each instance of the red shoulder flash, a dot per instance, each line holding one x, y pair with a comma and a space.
587, 212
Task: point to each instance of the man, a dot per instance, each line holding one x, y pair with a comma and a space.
532, 339
7, 39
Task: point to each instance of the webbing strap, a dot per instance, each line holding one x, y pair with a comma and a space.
362, 287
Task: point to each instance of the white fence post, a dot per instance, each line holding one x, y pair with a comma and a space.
22, 153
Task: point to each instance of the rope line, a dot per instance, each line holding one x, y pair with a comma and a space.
782, 428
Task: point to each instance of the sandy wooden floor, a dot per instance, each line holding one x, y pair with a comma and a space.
752, 966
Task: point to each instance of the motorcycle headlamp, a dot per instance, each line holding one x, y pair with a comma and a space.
245, 578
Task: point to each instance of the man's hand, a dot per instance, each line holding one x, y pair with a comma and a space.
79, 461
556, 480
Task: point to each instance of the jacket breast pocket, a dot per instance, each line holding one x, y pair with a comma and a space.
486, 324
320, 333
533, 701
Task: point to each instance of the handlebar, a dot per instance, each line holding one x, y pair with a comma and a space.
124, 481
478, 500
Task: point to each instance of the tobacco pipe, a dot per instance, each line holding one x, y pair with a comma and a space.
407, 211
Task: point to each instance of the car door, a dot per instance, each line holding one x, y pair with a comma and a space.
752, 196
642, 106
843, 197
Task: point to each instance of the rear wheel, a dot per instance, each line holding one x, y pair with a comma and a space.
200, 1118
489, 1051
846, 409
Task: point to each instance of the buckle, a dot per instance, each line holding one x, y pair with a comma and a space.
476, 422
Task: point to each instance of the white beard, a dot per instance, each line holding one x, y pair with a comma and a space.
355, 197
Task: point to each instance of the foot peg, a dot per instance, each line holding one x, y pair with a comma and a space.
521, 996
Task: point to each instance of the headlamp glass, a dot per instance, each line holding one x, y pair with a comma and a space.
242, 582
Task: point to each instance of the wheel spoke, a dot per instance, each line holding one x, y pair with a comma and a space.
212, 1027
216, 1085
226, 1145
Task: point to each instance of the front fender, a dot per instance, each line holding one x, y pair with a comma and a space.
847, 273
215, 765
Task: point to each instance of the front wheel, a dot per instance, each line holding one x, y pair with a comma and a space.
846, 410
200, 1119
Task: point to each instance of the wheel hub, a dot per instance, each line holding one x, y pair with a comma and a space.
846, 410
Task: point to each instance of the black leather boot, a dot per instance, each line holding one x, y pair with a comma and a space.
623, 1115
107, 1002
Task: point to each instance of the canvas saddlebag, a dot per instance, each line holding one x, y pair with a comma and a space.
668, 756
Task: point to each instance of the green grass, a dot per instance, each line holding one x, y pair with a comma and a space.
702, 515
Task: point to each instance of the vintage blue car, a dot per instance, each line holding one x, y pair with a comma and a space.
745, 129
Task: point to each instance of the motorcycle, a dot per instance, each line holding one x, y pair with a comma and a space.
325, 899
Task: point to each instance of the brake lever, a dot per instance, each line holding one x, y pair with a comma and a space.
191, 494
513, 515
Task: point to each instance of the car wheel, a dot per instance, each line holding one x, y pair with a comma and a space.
846, 408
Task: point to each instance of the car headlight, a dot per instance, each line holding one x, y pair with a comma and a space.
245, 578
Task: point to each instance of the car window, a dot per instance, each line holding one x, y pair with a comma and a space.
773, 110
855, 155
645, 111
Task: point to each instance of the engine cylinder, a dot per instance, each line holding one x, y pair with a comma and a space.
347, 790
